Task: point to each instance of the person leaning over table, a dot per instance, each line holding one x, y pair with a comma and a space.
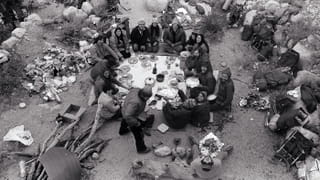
140, 37
133, 112
174, 38
224, 91
155, 33
207, 167
200, 115
101, 51
120, 44
103, 78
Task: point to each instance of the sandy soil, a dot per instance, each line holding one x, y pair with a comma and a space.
253, 145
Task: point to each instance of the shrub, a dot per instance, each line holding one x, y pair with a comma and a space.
212, 26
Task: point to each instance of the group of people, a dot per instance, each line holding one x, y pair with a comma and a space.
112, 47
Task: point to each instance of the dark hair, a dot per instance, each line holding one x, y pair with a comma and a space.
120, 38
191, 40
154, 30
203, 41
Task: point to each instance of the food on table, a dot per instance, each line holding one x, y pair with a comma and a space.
153, 58
149, 81
125, 77
210, 145
170, 60
141, 57
133, 60
146, 64
124, 69
192, 82
173, 82
169, 93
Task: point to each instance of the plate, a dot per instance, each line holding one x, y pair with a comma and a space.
149, 81
192, 82
133, 60
126, 77
212, 97
124, 69
154, 58
141, 57
185, 54
146, 64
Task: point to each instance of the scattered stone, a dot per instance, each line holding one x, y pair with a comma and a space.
22, 105
18, 32
87, 7
94, 19
305, 54
4, 56
296, 18
156, 5
89, 33
272, 6
10, 43
69, 12
34, 19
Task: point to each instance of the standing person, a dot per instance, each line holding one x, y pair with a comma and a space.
140, 37
132, 111
224, 91
207, 167
155, 32
174, 38
120, 44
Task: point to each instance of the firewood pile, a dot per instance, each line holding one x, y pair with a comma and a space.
83, 146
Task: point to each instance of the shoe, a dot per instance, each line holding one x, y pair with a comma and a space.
192, 141
124, 132
228, 149
147, 150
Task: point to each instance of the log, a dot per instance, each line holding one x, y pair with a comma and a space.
38, 169
20, 154
42, 174
53, 133
102, 145
92, 145
32, 170
86, 154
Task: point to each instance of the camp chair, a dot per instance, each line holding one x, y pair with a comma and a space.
295, 147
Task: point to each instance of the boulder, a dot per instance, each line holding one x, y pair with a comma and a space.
87, 7
89, 33
25, 24
34, 19
18, 32
97, 3
156, 5
272, 6
80, 15
305, 54
94, 19
296, 18
249, 17
10, 43
4, 56
69, 12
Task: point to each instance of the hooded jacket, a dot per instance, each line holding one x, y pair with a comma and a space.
178, 37
140, 39
117, 45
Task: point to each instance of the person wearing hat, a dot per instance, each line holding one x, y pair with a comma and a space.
174, 38
140, 37
133, 113
207, 167
224, 91
155, 33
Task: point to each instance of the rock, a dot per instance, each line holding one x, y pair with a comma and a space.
80, 15
34, 19
306, 77
10, 43
305, 54
25, 25
69, 12
18, 32
272, 6
97, 3
205, 7
249, 17
314, 41
4, 56
94, 19
87, 7
296, 18
89, 33
156, 5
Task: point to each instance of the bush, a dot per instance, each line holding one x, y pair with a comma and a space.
11, 74
212, 26
71, 32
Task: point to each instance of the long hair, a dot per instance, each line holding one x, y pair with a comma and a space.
203, 42
120, 38
154, 30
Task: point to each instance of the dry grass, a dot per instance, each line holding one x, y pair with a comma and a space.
213, 25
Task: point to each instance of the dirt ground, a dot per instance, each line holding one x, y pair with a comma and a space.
253, 144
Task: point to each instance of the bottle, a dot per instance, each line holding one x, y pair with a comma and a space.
154, 70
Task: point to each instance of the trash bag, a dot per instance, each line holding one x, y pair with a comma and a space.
177, 118
19, 134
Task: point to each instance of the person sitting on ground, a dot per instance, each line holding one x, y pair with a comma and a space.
108, 107
193, 64
207, 167
191, 41
200, 44
125, 26
133, 112
120, 44
140, 37
224, 91
201, 112
103, 77
174, 38
101, 51
155, 33
207, 81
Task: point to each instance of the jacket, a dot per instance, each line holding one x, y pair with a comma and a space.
226, 91
140, 39
117, 45
106, 106
132, 107
208, 81
200, 115
154, 37
178, 38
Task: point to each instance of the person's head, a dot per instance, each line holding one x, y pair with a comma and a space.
141, 24
154, 22
199, 38
175, 25
207, 163
201, 96
118, 32
225, 75
107, 74
145, 93
204, 67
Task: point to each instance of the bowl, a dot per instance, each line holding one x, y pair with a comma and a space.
160, 77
